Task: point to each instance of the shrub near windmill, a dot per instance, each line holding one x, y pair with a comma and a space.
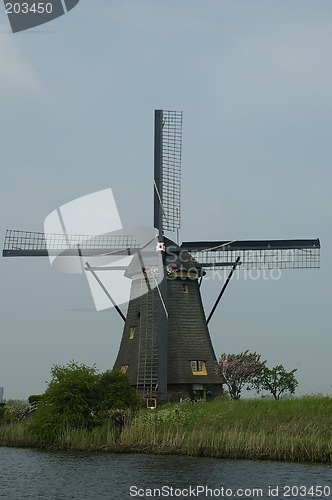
166, 348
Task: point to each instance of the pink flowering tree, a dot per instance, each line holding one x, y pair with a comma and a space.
238, 370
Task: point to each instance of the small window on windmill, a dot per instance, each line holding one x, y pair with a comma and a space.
151, 403
132, 333
185, 289
124, 368
198, 392
198, 367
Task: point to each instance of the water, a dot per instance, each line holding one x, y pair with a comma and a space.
33, 474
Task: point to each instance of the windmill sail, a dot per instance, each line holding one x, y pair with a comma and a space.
35, 244
256, 254
167, 171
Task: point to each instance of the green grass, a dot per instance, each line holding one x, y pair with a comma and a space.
293, 430
298, 429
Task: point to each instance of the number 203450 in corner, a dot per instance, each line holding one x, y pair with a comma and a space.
25, 8
300, 491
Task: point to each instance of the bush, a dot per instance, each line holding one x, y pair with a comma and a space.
79, 397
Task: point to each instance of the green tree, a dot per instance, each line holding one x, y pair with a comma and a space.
275, 380
115, 392
79, 397
73, 393
117, 398
238, 370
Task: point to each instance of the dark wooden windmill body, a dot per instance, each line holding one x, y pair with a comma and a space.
190, 356
166, 348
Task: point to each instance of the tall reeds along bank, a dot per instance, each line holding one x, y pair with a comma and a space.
290, 430
16, 434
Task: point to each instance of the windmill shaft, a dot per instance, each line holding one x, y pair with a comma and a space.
72, 252
223, 290
158, 223
199, 246
162, 343
158, 174
100, 283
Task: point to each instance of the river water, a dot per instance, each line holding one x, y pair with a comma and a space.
33, 474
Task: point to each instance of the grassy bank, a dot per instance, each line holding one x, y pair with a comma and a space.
291, 430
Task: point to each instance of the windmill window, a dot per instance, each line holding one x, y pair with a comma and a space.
132, 333
199, 392
198, 367
185, 289
151, 403
124, 368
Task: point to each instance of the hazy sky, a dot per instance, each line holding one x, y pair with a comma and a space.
254, 80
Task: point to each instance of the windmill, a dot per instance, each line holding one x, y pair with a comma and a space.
166, 348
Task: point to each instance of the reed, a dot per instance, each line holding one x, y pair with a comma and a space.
16, 434
290, 430
83, 439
